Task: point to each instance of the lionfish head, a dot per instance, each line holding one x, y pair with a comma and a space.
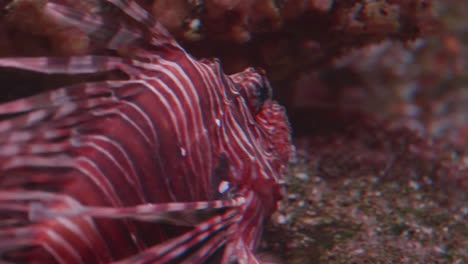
270, 117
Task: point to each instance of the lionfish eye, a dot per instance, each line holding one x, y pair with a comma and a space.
254, 87
257, 89
262, 93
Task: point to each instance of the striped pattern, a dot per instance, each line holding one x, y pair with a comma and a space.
128, 171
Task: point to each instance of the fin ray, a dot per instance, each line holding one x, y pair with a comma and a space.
66, 65
145, 212
175, 248
135, 11
112, 36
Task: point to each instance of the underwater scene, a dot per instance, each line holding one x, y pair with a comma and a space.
233, 131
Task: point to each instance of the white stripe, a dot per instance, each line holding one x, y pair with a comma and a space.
200, 123
176, 119
75, 229
59, 240
123, 152
106, 153
98, 178
34, 161
193, 111
124, 117
169, 108
34, 117
238, 134
19, 136
257, 146
145, 116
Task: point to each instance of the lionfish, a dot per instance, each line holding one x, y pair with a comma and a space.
176, 162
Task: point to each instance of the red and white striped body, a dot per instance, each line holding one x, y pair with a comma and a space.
177, 163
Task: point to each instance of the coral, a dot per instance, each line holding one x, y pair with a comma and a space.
420, 84
287, 36
281, 36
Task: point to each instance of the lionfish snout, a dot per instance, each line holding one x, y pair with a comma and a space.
270, 117
271, 131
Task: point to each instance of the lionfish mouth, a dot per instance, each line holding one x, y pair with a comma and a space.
135, 152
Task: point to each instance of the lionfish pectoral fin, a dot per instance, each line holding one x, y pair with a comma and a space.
63, 107
66, 65
135, 11
195, 246
15, 239
41, 206
177, 213
74, 93
113, 36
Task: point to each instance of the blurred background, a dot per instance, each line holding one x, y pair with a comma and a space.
377, 95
